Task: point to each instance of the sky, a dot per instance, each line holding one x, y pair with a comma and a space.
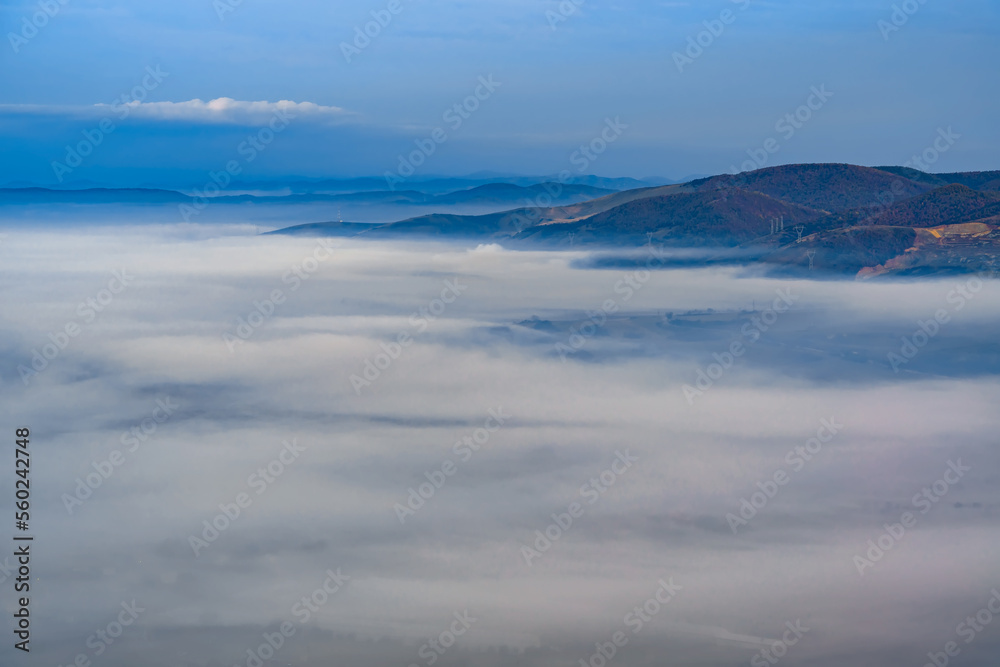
557, 74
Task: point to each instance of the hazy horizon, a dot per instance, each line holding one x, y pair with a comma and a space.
698, 85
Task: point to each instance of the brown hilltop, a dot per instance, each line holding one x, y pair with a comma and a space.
707, 218
828, 187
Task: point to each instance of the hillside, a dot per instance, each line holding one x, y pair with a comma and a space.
449, 225
509, 223
844, 251
588, 208
707, 218
826, 187
948, 205
834, 219
977, 180
507, 192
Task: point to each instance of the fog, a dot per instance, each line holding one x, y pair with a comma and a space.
253, 217
508, 384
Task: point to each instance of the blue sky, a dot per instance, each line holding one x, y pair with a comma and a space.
559, 81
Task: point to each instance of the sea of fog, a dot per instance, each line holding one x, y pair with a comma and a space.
291, 451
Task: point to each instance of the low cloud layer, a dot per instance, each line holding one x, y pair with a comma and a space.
436, 429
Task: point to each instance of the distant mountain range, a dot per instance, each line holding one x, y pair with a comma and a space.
335, 186
487, 194
833, 218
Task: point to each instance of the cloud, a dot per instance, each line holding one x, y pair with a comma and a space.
334, 507
222, 110
228, 110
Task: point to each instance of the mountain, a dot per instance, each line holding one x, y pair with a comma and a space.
840, 219
579, 211
507, 192
494, 194
90, 196
836, 219
826, 187
491, 226
977, 180
844, 251
948, 205
429, 185
441, 225
872, 251
710, 218
723, 210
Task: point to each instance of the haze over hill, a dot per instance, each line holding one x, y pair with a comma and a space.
839, 218
279, 204
489, 193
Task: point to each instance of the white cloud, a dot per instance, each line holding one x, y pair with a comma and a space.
220, 110
228, 110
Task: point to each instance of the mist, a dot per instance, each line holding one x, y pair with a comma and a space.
472, 455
